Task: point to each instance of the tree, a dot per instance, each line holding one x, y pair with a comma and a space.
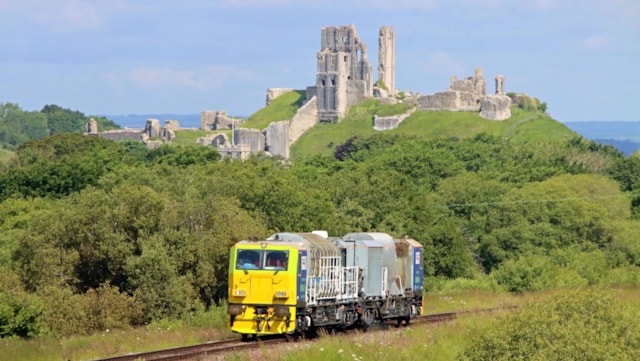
18, 126
61, 120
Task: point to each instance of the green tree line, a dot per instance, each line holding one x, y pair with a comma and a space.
18, 126
96, 234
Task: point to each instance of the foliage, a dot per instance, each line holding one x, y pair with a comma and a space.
21, 315
183, 156
18, 126
60, 120
85, 221
104, 124
59, 165
588, 324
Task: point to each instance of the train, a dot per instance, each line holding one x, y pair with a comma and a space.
298, 283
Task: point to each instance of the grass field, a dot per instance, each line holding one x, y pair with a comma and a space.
435, 342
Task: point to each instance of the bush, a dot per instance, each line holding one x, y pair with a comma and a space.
21, 315
588, 324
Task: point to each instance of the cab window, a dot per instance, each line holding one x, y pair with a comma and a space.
248, 259
277, 260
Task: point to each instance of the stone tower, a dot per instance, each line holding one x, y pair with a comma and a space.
343, 74
500, 85
387, 59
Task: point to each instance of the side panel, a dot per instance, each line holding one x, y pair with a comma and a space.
302, 277
418, 268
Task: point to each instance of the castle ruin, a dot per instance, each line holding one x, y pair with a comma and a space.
217, 120
343, 75
387, 60
343, 79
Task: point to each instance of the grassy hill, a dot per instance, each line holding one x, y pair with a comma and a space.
522, 126
283, 107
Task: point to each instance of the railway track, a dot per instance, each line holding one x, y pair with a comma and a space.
190, 352
233, 345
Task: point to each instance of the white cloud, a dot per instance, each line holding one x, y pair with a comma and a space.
205, 78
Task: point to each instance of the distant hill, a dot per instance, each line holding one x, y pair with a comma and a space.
625, 136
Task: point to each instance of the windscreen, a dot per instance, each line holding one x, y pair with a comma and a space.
251, 259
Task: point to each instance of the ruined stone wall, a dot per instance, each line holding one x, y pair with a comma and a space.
152, 128
237, 151
172, 125
253, 137
462, 95
341, 61
496, 107
126, 134
91, 127
208, 119
452, 101
474, 84
304, 119
218, 119
214, 139
390, 122
387, 59
277, 139
273, 93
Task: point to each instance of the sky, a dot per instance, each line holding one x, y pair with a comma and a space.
104, 57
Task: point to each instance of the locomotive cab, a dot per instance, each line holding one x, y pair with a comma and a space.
262, 295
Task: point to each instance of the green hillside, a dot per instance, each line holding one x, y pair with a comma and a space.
283, 107
522, 126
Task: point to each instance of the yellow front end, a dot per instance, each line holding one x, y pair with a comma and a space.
262, 288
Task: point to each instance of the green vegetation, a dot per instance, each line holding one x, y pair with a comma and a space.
522, 127
587, 324
98, 235
283, 107
18, 126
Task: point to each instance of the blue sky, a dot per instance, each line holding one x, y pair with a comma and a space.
141, 56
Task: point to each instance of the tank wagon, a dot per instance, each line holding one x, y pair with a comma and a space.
293, 283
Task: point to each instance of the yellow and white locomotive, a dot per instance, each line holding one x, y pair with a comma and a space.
292, 283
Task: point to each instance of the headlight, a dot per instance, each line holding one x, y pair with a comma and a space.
281, 294
240, 293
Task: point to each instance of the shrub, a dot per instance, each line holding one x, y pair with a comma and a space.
21, 315
588, 324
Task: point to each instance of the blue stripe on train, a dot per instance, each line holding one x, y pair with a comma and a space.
302, 276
